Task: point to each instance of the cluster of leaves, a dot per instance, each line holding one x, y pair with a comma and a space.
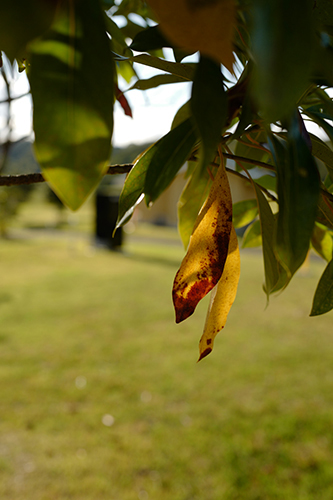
263, 73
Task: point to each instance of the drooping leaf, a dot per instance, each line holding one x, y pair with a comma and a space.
170, 154
133, 189
282, 50
298, 193
191, 201
73, 117
244, 212
209, 107
207, 27
204, 261
322, 242
123, 102
321, 151
21, 22
275, 275
323, 299
222, 298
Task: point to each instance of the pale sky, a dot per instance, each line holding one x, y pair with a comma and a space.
153, 110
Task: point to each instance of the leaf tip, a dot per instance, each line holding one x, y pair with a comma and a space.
204, 353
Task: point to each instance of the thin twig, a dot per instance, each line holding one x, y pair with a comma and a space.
14, 180
14, 98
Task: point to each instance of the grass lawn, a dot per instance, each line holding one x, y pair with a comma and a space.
102, 399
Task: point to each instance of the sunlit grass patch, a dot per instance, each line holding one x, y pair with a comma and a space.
101, 396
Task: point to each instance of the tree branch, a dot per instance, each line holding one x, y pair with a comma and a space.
15, 180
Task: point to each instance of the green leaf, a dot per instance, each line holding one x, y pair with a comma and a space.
244, 212
267, 182
22, 21
325, 212
319, 119
322, 242
282, 49
117, 37
323, 299
184, 70
191, 201
252, 236
182, 114
275, 276
321, 151
298, 192
209, 107
132, 192
126, 70
155, 81
72, 81
170, 154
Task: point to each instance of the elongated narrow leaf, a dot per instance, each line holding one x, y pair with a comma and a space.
72, 81
298, 193
321, 151
155, 81
319, 119
244, 212
281, 73
133, 189
170, 154
275, 275
185, 70
222, 298
209, 107
204, 261
191, 201
182, 114
323, 299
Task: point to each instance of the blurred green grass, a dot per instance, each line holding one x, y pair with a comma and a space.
101, 396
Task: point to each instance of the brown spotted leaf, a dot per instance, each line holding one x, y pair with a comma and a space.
203, 263
207, 26
222, 298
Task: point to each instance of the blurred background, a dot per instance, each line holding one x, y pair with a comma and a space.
101, 396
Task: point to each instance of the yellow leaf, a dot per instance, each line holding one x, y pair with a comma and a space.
203, 263
204, 25
222, 298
